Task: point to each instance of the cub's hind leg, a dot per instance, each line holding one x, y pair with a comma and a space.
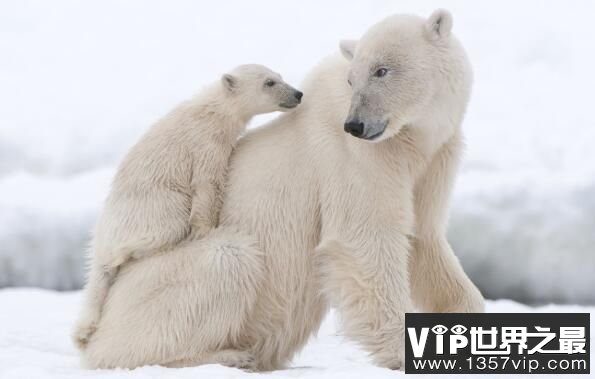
182, 307
96, 290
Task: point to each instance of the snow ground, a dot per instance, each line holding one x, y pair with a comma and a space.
80, 81
35, 343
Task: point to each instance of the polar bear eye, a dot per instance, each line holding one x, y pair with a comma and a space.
269, 83
349, 82
380, 72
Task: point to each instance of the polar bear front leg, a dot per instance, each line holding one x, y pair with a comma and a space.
370, 289
438, 282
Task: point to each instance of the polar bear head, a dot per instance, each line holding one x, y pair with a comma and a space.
257, 90
398, 70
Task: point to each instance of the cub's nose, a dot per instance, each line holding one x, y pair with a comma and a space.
298, 95
354, 127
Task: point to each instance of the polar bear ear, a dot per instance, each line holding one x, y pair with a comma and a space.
439, 25
347, 47
229, 81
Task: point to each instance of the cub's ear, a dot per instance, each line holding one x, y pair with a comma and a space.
229, 81
439, 25
347, 47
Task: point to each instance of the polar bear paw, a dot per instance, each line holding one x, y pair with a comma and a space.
240, 359
236, 358
84, 329
391, 361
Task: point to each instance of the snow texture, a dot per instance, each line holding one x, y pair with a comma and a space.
35, 343
80, 82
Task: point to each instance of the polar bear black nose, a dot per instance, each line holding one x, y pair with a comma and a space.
354, 127
298, 95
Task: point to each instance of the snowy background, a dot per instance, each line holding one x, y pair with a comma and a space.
80, 81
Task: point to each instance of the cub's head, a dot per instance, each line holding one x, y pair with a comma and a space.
259, 90
397, 69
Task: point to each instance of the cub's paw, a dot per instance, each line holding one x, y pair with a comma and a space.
84, 329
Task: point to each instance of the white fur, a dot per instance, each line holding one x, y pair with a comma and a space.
316, 217
168, 188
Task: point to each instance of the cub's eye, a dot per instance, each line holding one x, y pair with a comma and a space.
349, 82
269, 83
380, 72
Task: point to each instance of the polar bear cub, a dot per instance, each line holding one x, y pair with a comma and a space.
168, 188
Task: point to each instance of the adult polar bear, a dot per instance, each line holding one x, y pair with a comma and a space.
315, 217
